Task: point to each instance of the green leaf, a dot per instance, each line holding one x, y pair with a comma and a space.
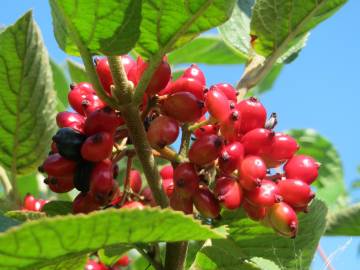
167, 24
209, 50
27, 184
330, 186
248, 239
267, 83
25, 215
27, 97
279, 24
77, 72
61, 85
105, 27
56, 208
7, 222
111, 255
344, 222
76, 263
49, 240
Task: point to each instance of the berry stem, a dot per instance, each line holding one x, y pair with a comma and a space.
127, 178
167, 153
195, 126
185, 140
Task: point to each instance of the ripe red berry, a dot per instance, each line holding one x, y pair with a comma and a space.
265, 195
135, 181
228, 192
218, 104
257, 141
57, 166
253, 212
84, 203
93, 265
83, 99
206, 203
302, 167
104, 73
168, 186
97, 147
167, 172
123, 261
283, 147
195, 73
295, 192
228, 90
29, 202
190, 85
206, 130
180, 203
231, 157
163, 131
186, 179
253, 114
252, 171
148, 197
183, 106
205, 149
106, 120
70, 119
39, 204
283, 219
230, 128
133, 205
60, 184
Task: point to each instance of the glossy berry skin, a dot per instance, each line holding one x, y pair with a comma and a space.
295, 192
257, 141
69, 142
228, 192
190, 85
167, 172
56, 165
180, 203
186, 179
230, 128
302, 167
194, 72
133, 205
253, 212
106, 120
60, 184
104, 74
283, 147
253, 114
101, 181
283, 219
168, 186
205, 149
228, 90
231, 157
84, 203
218, 105
148, 197
252, 171
97, 147
206, 130
206, 203
79, 93
123, 261
135, 181
265, 195
29, 202
183, 106
162, 131
70, 119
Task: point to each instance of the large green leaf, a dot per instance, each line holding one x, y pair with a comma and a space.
27, 97
111, 255
50, 240
108, 27
167, 24
77, 72
61, 85
248, 239
330, 186
344, 222
278, 24
209, 50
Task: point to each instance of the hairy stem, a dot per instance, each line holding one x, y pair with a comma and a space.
185, 140
195, 126
175, 255
168, 154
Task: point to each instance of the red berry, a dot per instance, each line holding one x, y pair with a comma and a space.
230, 128
60, 184
265, 195
148, 197
167, 172
97, 147
85, 203
83, 99
205, 149
183, 106
295, 192
70, 119
93, 265
180, 203
283, 147
133, 205
104, 73
283, 219
135, 181
253, 212
252, 171
163, 131
195, 73
218, 104
106, 120
206, 130
29, 202
257, 141
123, 261
228, 90
186, 179
302, 167
228, 192
57, 166
168, 186
253, 114
231, 157
190, 85
206, 203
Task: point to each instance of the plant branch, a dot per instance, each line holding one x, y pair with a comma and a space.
185, 140
127, 178
168, 154
195, 126
175, 255
151, 260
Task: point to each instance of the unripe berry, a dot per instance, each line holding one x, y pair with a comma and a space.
135, 181
60, 184
302, 167
253, 114
57, 166
206, 203
163, 131
228, 192
180, 203
84, 203
231, 157
253, 212
187, 85
217, 104
205, 149
186, 179
70, 119
265, 195
106, 120
167, 172
97, 147
228, 90
283, 219
195, 73
252, 171
257, 141
295, 192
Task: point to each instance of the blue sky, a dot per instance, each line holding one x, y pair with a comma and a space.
319, 90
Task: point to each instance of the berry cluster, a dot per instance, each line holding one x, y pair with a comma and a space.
236, 158
95, 264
